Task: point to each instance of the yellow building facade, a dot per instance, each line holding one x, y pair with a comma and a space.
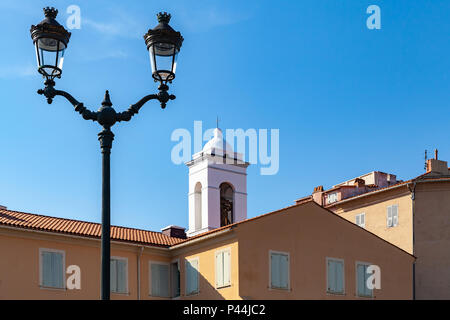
413, 215
308, 235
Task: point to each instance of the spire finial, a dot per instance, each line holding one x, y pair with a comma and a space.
217, 122
107, 100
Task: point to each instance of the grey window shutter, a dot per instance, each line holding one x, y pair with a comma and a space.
361, 279
156, 280
46, 269
368, 292
358, 222
113, 276
164, 274
330, 276
192, 276
284, 267
189, 280
175, 276
58, 274
275, 270
121, 276
339, 277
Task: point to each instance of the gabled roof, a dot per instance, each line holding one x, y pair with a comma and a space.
93, 230
83, 228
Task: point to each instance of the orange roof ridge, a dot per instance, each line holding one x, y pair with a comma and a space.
45, 223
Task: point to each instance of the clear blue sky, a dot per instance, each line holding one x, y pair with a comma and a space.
347, 100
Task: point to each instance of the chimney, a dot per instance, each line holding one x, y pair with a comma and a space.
317, 195
437, 166
359, 182
174, 231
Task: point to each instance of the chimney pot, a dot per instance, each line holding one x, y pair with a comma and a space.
318, 189
360, 182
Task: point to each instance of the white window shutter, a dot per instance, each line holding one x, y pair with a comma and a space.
394, 215
227, 268
389, 216
219, 269
358, 222
363, 220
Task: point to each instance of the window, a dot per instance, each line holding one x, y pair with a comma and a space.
392, 216
119, 275
223, 268
192, 276
279, 270
335, 276
226, 204
198, 206
159, 275
52, 269
175, 279
361, 220
361, 280
332, 197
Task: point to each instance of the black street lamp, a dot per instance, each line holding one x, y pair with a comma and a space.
163, 43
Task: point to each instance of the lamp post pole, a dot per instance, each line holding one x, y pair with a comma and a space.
163, 43
106, 138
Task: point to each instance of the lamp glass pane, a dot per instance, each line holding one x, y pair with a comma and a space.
50, 56
163, 60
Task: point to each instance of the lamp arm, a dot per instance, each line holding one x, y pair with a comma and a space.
134, 108
162, 97
49, 92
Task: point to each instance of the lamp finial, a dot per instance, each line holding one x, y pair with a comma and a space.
50, 12
163, 17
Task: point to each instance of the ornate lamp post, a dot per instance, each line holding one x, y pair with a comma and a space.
163, 43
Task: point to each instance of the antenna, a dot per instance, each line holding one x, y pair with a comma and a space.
217, 122
426, 158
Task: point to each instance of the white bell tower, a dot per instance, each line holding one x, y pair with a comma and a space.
217, 186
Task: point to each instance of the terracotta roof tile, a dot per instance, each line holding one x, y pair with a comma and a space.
83, 228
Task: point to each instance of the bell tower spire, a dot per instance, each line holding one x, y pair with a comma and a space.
217, 186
